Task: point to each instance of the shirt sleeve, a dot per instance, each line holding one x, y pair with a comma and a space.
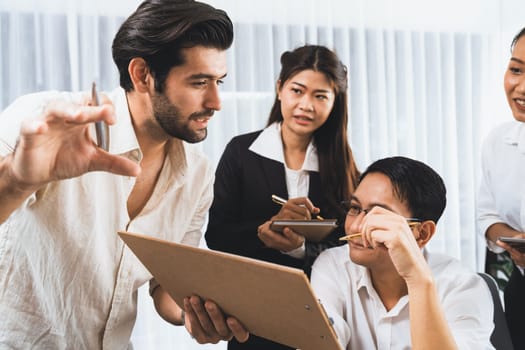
23, 108
298, 252
469, 311
487, 214
325, 280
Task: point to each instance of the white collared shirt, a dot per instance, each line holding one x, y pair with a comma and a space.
67, 280
501, 197
269, 144
361, 321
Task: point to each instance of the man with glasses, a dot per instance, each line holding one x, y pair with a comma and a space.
384, 290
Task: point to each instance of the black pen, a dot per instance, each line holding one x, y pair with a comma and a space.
282, 201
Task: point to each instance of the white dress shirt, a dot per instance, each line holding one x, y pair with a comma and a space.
501, 197
269, 144
67, 281
361, 321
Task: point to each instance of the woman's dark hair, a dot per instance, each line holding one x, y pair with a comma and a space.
415, 184
337, 168
516, 38
159, 30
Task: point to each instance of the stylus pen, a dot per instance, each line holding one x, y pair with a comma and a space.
101, 128
282, 201
354, 235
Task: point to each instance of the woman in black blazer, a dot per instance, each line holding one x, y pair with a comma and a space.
302, 155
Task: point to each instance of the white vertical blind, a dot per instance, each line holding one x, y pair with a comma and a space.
425, 82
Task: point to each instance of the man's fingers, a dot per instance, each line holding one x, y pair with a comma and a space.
239, 332
32, 127
194, 326
207, 324
218, 320
114, 164
77, 114
206, 330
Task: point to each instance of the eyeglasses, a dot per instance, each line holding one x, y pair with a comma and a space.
354, 210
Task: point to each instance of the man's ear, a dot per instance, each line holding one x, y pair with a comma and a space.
426, 230
140, 75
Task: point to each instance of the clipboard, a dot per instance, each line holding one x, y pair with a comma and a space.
272, 301
312, 230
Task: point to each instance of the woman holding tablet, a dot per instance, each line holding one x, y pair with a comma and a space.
302, 156
501, 200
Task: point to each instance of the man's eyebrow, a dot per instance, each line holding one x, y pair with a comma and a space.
205, 76
517, 60
384, 206
354, 198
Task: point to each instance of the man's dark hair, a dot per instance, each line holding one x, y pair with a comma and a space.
159, 30
415, 184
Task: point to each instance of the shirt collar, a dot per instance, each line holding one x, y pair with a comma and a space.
269, 145
515, 135
362, 276
122, 138
363, 280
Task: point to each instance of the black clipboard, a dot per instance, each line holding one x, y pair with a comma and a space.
312, 230
516, 243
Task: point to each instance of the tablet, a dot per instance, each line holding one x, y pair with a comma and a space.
516, 243
272, 301
312, 230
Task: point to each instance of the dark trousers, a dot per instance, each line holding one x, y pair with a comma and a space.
515, 308
257, 343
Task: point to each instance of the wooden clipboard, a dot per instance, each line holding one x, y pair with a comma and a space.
272, 301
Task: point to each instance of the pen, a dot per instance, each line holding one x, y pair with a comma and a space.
354, 235
281, 201
101, 128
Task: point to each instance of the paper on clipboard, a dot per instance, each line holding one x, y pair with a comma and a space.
272, 301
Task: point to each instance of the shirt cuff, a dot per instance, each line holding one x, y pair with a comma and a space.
521, 269
297, 253
153, 284
493, 247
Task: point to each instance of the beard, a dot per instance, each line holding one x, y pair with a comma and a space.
174, 124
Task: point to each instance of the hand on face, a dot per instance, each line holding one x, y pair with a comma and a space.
207, 324
57, 145
384, 229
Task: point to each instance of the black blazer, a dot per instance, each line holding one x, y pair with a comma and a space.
244, 184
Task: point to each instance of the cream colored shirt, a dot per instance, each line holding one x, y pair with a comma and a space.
67, 281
